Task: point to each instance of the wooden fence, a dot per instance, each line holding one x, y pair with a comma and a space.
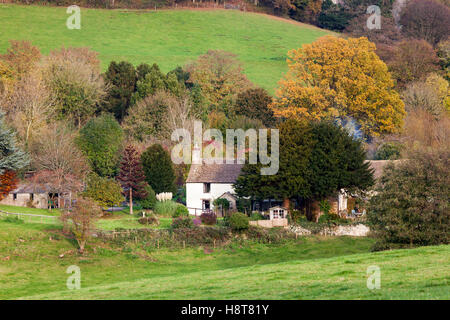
34, 218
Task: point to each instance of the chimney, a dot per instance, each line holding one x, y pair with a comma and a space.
196, 154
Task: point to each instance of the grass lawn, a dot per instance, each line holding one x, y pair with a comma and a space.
168, 37
128, 222
312, 267
16, 209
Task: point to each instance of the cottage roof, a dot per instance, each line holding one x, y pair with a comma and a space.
214, 173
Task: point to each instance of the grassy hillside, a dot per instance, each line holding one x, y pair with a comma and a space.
169, 38
314, 268
405, 274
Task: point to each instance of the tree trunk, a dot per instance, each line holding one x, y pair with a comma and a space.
131, 200
286, 203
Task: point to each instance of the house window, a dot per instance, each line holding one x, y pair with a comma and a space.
14, 196
206, 187
206, 205
31, 196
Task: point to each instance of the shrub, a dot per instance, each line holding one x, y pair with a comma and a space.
297, 216
411, 205
256, 216
208, 218
151, 220
325, 206
388, 151
150, 200
165, 208
105, 191
238, 221
181, 211
182, 222
197, 221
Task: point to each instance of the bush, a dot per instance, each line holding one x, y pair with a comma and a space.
238, 221
411, 205
197, 221
256, 216
151, 220
297, 216
150, 200
208, 218
389, 151
181, 211
105, 191
182, 222
329, 218
165, 208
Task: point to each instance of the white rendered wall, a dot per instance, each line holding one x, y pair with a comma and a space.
195, 195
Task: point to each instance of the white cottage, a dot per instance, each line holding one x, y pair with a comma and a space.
207, 182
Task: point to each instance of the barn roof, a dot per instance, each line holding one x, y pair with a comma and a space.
29, 187
214, 173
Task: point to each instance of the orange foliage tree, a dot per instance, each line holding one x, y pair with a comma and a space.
8, 182
337, 78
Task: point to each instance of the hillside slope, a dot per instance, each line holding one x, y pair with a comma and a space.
420, 273
167, 37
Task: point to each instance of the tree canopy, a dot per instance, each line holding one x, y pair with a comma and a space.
158, 169
100, 140
337, 78
317, 159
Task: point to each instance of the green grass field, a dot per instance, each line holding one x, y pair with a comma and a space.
311, 268
167, 37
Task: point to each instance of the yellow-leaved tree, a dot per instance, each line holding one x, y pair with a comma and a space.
340, 78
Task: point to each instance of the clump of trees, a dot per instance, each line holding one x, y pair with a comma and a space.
411, 204
316, 160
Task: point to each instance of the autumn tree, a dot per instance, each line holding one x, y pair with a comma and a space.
412, 60
29, 105
432, 96
158, 169
82, 216
73, 76
338, 78
131, 175
255, 104
426, 19
8, 182
219, 75
55, 150
21, 57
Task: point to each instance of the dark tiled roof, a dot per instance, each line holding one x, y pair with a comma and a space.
28, 187
214, 173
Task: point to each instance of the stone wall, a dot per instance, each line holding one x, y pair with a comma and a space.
270, 223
